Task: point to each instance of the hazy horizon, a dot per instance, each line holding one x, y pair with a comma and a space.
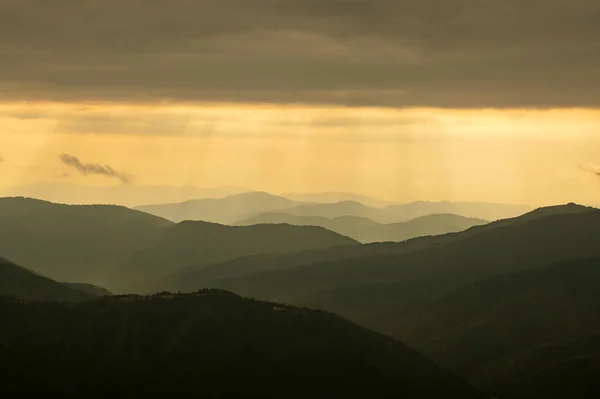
137, 195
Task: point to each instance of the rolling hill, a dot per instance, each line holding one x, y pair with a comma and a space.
497, 245
331, 197
76, 243
220, 210
128, 195
20, 283
210, 343
344, 208
89, 289
200, 244
511, 332
367, 231
477, 210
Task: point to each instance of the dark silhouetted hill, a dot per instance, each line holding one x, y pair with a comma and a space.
72, 242
200, 244
89, 289
208, 344
20, 283
220, 210
527, 332
477, 210
366, 230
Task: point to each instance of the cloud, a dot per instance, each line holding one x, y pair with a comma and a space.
94, 169
593, 169
396, 53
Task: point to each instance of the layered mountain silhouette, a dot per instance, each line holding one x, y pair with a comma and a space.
502, 241
477, 210
220, 210
101, 244
331, 197
344, 208
392, 291
211, 344
366, 230
199, 244
77, 243
128, 195
23, 284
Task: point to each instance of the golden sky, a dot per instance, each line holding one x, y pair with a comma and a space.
510, 155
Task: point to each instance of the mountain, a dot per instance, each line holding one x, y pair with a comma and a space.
20, 283
222, 210
471, 248
89, 289
349, 226
520, 333
477, 210
72, 242
200, 244
366, 230
344, 208
429, 225
209, 344
331, 197
128, 195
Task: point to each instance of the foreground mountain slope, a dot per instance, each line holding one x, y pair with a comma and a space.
220, 210
200, 244
72, 242
211, 344
20, 283
513, 328
366, 230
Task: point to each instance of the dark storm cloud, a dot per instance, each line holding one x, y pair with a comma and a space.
463, 53
94, 168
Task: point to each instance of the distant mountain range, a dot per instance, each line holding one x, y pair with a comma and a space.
101, 244
211, 344
128, 195
331, 197
477, 210
224, 210
366, 230
200, 244
235, 208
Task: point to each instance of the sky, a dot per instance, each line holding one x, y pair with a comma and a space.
403, 100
